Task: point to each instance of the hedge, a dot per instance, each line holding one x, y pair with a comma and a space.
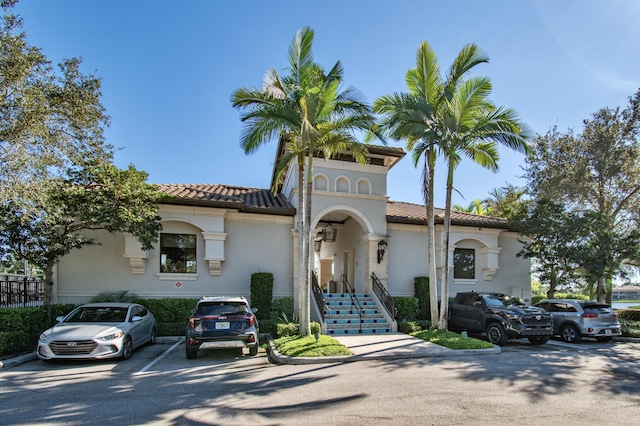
262, 293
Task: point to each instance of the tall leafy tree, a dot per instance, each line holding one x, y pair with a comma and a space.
555, 240
56, 173
97, 196
598, 171
49, 119
308, 108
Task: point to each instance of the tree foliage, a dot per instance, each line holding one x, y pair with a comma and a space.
57, 179
595, 174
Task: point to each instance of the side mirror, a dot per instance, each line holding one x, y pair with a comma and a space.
136, 318
60, 318
254, 310
477, 303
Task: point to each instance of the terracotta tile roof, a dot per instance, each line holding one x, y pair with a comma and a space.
236, 197
257, 200
399, 212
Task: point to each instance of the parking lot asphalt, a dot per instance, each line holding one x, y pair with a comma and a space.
365, 347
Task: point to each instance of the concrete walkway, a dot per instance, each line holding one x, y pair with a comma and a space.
387, 346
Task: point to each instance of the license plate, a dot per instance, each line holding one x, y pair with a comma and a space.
607, 332
225, 326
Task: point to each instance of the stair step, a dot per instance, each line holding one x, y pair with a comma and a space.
350, 303
358, 331
356, 321
351, 312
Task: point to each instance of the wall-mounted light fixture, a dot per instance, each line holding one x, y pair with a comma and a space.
317, 242
329, 233
382, 249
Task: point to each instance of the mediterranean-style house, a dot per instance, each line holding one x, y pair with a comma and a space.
215, 236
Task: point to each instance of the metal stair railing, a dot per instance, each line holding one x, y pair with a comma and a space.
352, 295
384, 296
317, 294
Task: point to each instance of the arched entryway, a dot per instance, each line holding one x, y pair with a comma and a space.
351, 256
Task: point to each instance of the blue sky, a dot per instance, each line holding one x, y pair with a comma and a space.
168, 69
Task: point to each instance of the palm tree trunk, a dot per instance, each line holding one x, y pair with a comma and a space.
431, 240
301, 239
444, 302
305, 315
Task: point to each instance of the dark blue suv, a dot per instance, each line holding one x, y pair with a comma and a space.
222, 322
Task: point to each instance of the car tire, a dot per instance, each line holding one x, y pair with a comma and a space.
604, 339
253, 350
496, 334
191, 353
154, 336
570, 334
127, 348
538, 340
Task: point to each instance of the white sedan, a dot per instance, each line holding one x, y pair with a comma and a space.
98, 330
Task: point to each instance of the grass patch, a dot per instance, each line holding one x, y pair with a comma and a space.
451, 340
306, 346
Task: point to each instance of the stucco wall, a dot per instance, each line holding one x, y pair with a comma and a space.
253, 243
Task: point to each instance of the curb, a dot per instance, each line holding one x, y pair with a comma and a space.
22, 359
278, 358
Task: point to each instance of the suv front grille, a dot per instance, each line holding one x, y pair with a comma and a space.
533, 319
73, 347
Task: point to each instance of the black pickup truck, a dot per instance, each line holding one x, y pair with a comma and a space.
500, 316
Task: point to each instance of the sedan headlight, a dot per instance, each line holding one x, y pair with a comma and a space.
116, 335
44, 338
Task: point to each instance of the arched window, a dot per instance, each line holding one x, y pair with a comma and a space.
343, 184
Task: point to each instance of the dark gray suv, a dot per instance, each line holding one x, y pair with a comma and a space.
574, 319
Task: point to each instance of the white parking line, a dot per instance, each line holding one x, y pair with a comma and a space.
165, 353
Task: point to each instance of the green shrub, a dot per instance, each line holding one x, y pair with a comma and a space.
629, 314
407, 308
269, 326
262, 293
122, 296
284, 329
421, 285
282, 306
171, 314
408, 327
538, 298
287, 329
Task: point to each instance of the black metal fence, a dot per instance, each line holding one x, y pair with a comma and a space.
19, 291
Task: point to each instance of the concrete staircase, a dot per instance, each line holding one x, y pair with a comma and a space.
342, 315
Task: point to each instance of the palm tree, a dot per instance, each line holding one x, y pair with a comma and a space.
474, 127
506, 202
419, 118
476, 207
308, 110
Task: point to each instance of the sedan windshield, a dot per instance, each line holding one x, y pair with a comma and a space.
98, 314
